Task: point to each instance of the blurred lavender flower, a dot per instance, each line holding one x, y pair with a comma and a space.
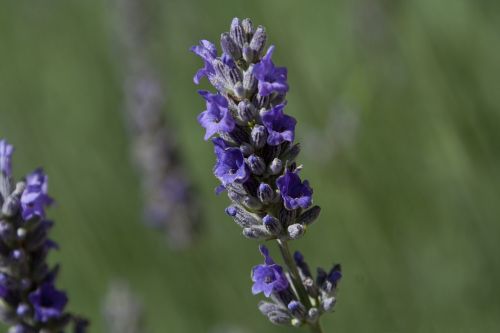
30, 302
168, 193
254, 144
123, 311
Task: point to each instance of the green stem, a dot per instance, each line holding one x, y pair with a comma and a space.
297, 282
316, 327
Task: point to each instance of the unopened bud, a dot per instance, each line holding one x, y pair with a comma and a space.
259, 136
296, 231
237, 33
258, 41
246, 149
272, 224
309, 216
246, 111
258, 232
247, 26
249, 80
256, 164
276, 167
229, 47
266, 193
242, 217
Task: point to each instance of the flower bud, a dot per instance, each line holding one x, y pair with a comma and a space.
237, 33
256, 164
279, 318
287, 217
309, 216
259, 136
249, 80
246, 111
251, 203
272, 224
242, 217
220, 69
239, 91
247, 26
276, 167
246, 149
266, 307
256, 232
258, 41
296, 231
266, 193
297, 309
229, 47
234, 76
248, 53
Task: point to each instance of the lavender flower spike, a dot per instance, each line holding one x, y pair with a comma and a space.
30, 302
255, 150
169, 197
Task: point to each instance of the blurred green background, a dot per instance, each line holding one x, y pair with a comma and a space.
399, 111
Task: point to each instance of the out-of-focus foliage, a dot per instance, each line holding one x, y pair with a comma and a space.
410, 193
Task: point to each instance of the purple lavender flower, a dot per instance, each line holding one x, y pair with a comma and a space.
31, 303
294, 192
271, 78
35, 198
208, 52
280, 126
230, 166
6, 151
48, 302
268, 278
216, 118
256, 159
220, 71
